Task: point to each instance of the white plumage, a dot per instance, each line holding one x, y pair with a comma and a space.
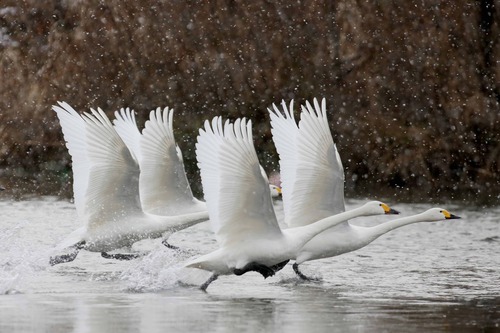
106, 188
240, 207
313, 184
163, 185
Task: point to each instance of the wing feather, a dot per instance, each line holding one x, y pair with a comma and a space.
113, 190
73, 128
314, 171
163, 183
127, 129
285, 130
238, 196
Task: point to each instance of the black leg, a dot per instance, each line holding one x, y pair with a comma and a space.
120, 256
300, 274
256, 267
63, 258
210, 280
170, 246
67, 257
278, 267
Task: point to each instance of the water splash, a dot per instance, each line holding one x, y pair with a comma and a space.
160, 269
20, 259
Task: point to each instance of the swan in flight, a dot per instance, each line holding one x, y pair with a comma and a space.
106, 189
313, 184
240, 207
163, 185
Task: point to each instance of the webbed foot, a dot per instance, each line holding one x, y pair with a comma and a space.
210, 280
121, 256
63, 258
170, 246
295, 267
278, 267
69, 256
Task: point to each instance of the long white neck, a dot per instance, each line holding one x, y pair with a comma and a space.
179, 222
301, 235
375, 232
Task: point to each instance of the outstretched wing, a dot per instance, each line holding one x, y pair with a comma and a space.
113, 187
285, 131
73, 128
163, 183
238, 196
126, 127
314, 169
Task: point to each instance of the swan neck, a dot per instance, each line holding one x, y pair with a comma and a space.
305, 233
185, 220
383, 228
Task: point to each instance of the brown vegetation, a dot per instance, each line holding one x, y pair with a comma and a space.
413, 88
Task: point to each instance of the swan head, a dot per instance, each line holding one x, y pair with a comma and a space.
378, 208
275, 191
438, 214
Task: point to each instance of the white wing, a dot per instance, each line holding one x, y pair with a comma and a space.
315, 170
73, 128
126, 126
285, 131
238, 196
163, 183
113, 190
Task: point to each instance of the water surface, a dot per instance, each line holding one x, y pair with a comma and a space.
440, 277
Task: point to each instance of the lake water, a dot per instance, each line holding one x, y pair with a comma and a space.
426, 277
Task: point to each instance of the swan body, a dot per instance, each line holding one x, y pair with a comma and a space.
106, 188
270, 249
308, 149
240, 206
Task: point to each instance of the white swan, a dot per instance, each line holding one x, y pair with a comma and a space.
163, 185
106, 189
313, 184
240, 208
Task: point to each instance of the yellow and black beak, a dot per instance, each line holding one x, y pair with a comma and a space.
450, 216
389, 210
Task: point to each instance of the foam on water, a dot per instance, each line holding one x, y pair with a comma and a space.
161, 269
20, 259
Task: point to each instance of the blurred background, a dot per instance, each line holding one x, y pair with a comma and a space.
412, 88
